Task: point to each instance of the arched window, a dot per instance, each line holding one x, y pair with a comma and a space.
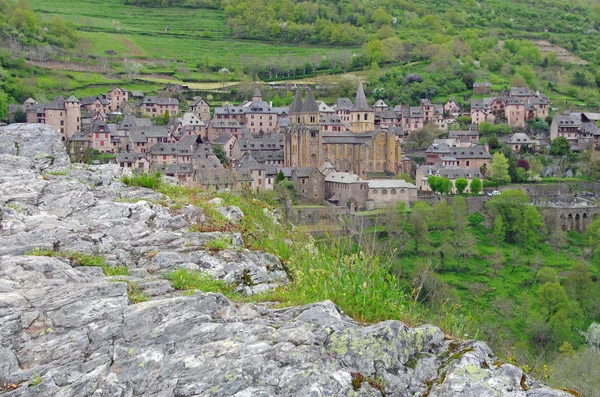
375, 191
366, 116
383, 191
393, 191
402, 191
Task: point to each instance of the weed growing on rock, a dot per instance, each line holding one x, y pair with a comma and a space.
15, 207
218, 244
150, 181
37, 379
134, 293
359, 283
58, 173
81, 259
188, 280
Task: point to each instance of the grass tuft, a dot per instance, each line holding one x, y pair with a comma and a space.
150, 181
81, 259
188, 280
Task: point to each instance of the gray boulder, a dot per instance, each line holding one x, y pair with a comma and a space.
39, 142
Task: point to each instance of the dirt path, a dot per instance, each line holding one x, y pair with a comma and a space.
135, 50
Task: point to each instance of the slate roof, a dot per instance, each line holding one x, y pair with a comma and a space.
473, 152
360, 101
141, 134
343, 104
380, 104
151, 100
390, 184
296, 106
310, 105
342, 177
129, 157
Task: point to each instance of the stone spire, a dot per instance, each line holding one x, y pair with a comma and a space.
310, 105
296, 106
360, 103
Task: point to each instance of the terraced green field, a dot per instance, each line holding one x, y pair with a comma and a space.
192, 34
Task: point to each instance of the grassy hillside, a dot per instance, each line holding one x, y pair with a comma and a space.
193, 34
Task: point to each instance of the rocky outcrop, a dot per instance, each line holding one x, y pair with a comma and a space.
72, 331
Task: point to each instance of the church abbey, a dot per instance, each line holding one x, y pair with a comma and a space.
362, 150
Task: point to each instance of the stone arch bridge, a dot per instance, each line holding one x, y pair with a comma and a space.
575, 214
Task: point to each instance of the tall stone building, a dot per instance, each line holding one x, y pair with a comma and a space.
362, 117
363, 152
303, 146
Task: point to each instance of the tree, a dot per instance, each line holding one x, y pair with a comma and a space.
521, 222
280, 176
20, 116
459, 212
221, 155
552, 297
461, 184
499, 169
476, 186
423, 137
417, 225
560, 146
164, 119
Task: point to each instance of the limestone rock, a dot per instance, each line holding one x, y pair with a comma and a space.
72, 331
38, 142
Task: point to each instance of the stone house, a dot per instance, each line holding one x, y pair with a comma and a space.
310, 184
579, 129
172, 153
387, 192
262, 177
520, 139
443, 147
257, 116
345, 189
183, 172
227, 141
100, 136
342, 108
475, 156
469, 136
388, 119
446, 171
482, 88
143, 138
224, 127
154, 106
380, 106
117, 96
191, 120
201, 108
412, 119
451, 108
332, 122
98, 103
516, 112
62, 114
216, 179
481, 111
134, 161
271, 142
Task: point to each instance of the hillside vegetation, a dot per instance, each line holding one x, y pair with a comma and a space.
82, 47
